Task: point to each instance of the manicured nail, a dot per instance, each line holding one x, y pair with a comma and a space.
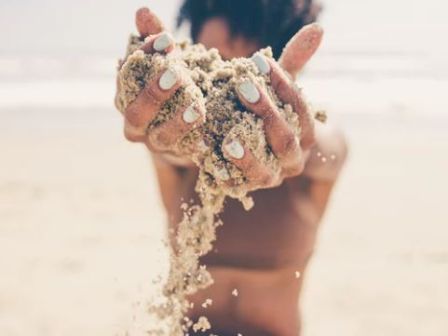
249, 91
261, 63
168, 79
190, 115
163, 42
235, 149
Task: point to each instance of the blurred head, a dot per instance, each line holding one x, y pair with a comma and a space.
238, 28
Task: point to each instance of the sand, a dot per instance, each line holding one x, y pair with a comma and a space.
211, 83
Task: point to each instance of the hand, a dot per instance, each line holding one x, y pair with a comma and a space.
291, 152
143, 110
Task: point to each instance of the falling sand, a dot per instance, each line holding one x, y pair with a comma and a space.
213, 86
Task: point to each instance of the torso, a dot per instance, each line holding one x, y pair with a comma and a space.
258, 252
279, 231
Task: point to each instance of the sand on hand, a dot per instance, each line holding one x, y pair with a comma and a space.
211, 83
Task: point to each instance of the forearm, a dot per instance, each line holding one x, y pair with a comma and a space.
328, 155
176, 182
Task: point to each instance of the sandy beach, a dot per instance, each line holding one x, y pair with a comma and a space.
81, 223
81, 230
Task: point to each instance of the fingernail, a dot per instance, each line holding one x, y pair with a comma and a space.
163, 42
249, 91
190, 115
235, 149
261, 63
168, 79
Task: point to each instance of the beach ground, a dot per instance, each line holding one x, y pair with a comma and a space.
82, 225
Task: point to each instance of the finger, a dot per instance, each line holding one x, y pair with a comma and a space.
142, 111
162, 43
289, 93
185, 119
147, 22
301, 48
279, 135
257, 174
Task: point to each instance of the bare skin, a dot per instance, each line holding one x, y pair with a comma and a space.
259, 253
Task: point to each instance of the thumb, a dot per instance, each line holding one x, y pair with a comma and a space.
301, 48
147, 22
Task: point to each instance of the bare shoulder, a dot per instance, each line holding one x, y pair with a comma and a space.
325, 162
328, 155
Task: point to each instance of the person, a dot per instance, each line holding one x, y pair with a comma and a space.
260, 255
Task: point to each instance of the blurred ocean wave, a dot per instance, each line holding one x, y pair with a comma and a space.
343, 82
367, 63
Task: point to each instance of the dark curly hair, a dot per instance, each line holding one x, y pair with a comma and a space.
268, 22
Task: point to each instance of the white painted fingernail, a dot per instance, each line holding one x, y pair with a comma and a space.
168, 79
163, 42
261, 63
190, 115
249, 91
235, 149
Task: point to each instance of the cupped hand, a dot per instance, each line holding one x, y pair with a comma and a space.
143, 110
291, 151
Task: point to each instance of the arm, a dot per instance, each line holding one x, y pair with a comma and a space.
325, 162
170, 177
328, 154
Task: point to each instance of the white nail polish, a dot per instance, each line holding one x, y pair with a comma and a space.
235, 149
261, 63
190, 115
249, 91
168, 79
162, 42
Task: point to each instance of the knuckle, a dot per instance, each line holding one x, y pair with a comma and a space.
297, 99
264, 180
268, 180
281, 84
309, 139
132, 114
131, 134
266, 110
160, 140
154, 95
295, 169
290, 145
